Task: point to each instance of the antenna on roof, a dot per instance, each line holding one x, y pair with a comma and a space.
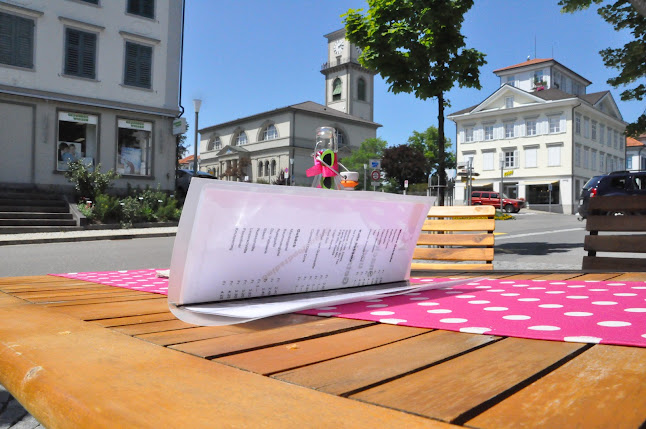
529, 57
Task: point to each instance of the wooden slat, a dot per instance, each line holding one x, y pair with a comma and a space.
459, 225
454, 254
616, 243
625, 202
641, 277
419, 266
483, 239
134, 320
461, 211
601, 388
104, 300
360, 370
153, 327
616, 223
620, 264
71, 374
115, 309
281, 358
222, 346
451, 389
31, 279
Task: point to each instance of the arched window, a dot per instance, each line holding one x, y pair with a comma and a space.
266, 168
214, 143
361, 89
269, 132
273, 167
240, 139
259, 168
336, 89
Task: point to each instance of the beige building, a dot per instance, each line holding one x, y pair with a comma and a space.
260, 147
96, 80
543, 133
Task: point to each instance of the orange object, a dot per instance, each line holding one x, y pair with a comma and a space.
349, 183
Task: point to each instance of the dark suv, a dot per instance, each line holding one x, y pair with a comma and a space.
615, 183
184, 180
490, 198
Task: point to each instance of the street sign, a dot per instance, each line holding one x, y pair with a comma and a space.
179, 126
406, 184
375, 183
375, 175
509, 173
374, 164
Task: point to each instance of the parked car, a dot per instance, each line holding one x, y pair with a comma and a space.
490, 198
184, 180
615, 183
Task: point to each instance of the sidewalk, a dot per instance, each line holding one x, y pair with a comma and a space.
86, 235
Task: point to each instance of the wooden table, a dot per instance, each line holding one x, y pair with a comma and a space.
79, 354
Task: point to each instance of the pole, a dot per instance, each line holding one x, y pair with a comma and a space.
365, 174
502, 171
197, 103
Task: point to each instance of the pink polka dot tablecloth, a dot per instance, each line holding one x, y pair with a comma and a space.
604, 312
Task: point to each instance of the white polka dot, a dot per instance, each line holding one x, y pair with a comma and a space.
644, 336
539, 280
638, 287
592, 281
544, 328
583, 339
624, 294
377, 306
558, 283
439, 311
479, 301
427, 280
555, 292
536, 288
452, 292
465, 296
382, 313
509, 294
604, 303
428, 303
495, 290
636, 310
446, 288
453, 320
528, 299
122, 271
616, 284
418, 298
577, 297
474, 330
598, 290
516, 317
474, 284
507, 283
578, 313
327, 314
72, 273
575, 286
520, 285
483, 287
392, 321
496, 308
550, 306
614, 324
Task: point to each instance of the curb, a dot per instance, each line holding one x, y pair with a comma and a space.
63, 237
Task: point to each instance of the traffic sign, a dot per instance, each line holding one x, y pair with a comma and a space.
375, 175
406, 184
375, 164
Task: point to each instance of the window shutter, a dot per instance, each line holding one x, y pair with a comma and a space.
24, 46
88, 48
6, 37
516, 161
72, 52
530, 157
148, 8
130, 75
145, 66
80, 54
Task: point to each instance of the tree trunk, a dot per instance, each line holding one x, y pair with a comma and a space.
441, 170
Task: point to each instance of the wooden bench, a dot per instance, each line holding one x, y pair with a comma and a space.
611, 215
456, 238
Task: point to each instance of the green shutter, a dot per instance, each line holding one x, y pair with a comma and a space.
138, 71
16, 40
80, 54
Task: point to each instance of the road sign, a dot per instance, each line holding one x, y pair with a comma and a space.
375, 183
179, 126
375, 175
374, 164
406, 184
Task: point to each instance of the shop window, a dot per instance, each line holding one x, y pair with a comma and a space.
76, 139
540, 194
134, 147
16, 41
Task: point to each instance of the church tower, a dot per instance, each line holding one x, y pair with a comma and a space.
349, 87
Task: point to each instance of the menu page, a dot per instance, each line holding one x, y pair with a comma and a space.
239, 240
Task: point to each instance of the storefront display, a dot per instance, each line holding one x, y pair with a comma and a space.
134, 147
77, 136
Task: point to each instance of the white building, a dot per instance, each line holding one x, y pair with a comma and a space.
636, 153
91, 79
545, 130
258, 147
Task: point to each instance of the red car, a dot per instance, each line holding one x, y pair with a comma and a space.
490, 198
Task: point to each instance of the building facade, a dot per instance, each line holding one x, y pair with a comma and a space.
540, 136
636, 153
268, 145
96, 80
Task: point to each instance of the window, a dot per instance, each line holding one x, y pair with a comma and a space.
266, 168
134, 147
594, 130
80, 53
555, 124
16, 41
214, 143
259, 168
538, 78
91, 1
602, 134
609, 136
510, 158
468, 158
540, 194
509, 102
270, 132
336, 89
488, 132
586, 127
586, 157
145, 8
530, 127
577, 156
509, 130
468, 134
616, 133
487, 160
602, 157
609, 166
531, 157
76, 139
577, 124
361, 89
340, 138
240, 139
138, 68
273, 167
511, 80
593, 159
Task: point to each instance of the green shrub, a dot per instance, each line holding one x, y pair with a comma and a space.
89, 184
107, 208
86, 210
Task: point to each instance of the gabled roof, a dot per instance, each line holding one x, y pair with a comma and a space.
552, 94
525, 63
187, 159
307, 106
593, 98
631, 142
231, 149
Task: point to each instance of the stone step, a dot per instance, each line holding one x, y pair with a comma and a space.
35, 229
39, 209
35, 215
33, 202
37, 222
29, 195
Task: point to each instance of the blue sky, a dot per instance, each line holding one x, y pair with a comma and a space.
243, 57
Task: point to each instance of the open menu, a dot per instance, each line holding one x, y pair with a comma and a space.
245, 251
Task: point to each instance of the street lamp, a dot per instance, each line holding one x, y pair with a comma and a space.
365, 173
291, 171
197, 103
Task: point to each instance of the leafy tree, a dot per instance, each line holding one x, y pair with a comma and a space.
427, 143
404, 162
372, 148
629, 60
181, 149
417, 47
89, 183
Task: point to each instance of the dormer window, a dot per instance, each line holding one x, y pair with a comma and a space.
539, 82
509, 102
511, 80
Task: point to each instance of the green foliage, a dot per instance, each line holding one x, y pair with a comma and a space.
372, 148
86, 210
629, 60
427, 143
404, 162
106, 208
417, 47
89, 184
